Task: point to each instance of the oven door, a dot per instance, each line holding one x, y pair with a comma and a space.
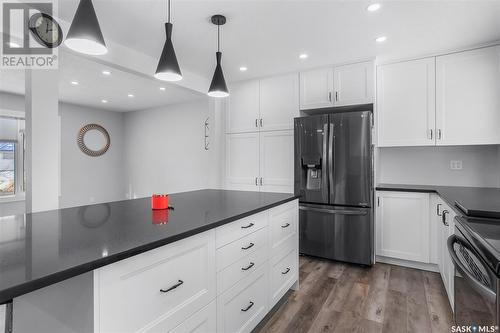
475, 285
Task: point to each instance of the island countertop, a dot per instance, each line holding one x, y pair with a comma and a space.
40, 249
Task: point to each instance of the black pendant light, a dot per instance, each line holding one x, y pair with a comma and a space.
168, 67
84, 34
218, 86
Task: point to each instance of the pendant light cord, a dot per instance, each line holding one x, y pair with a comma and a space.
168, 10
218, 38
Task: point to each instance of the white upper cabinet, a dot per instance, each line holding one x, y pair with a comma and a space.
468, 97
316, 88
279, 102
353, 84
276, 161
242, 161
243, 111
406, 103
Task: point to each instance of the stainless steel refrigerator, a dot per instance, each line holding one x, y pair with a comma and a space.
333, 176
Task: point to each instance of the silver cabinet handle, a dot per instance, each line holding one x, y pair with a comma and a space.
431, 134
336, 96
445, 212
261, 182
285, 225
248, 267
261, 123
256, 181
437, 209
256, 122
439, 134
330, 96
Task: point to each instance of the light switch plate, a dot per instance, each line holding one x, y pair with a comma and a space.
455, 165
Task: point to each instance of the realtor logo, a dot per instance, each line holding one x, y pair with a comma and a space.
30, 35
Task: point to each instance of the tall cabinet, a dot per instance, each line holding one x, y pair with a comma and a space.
259, 134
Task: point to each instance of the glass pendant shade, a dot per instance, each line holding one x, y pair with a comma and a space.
218, 87
85, 34
168, 68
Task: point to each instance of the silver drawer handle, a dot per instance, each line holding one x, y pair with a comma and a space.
248, 267
247, 226
173, 287
286, 271
285, 225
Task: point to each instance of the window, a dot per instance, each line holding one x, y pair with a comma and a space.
7, 168
12, 153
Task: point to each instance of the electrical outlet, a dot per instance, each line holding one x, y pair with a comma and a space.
455, 165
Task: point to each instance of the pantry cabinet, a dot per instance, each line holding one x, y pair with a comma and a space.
468, 97
337, 86
263, 105
279, 102
406, 103
260, 161
402, 225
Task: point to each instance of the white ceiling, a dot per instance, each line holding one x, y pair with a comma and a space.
93, 86
267, 36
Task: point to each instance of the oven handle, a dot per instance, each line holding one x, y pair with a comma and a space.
475, 284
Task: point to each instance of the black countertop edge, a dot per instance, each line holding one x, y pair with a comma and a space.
407, 188
35, 284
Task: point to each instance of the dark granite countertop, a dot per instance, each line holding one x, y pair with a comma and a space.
40, 249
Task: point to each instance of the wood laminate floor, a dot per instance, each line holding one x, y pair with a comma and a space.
339, 297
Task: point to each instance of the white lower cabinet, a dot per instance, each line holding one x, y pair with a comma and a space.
203, 321
403, 225
243, 306
222, 280
412, 229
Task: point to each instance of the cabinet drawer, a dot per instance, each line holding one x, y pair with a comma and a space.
282, 224
283, 274
241, 269
203, 321
133, 294
236, 250
243, 306
235, 230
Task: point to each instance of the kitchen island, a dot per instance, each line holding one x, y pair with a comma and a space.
114, 253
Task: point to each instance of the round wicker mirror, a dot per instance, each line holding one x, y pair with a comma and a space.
93, 140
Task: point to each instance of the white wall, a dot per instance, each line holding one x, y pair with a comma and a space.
431, 165
165, 149
86, 179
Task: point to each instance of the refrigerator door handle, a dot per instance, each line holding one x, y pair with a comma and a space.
330, 160
334, 211
324, 168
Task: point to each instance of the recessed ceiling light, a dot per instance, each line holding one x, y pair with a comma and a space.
106, 72
162, 88
373, 7
130, 95
13, 44
104, 101
380, 39
243, 69
75, 83
303, 56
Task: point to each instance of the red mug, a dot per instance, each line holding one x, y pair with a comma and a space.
159, 201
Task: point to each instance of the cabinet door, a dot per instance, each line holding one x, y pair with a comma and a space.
279, 102
243, 107
468, 97
403, 225
276, 161
316, 88
242, 161
353, 84
406, 103
201, 322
